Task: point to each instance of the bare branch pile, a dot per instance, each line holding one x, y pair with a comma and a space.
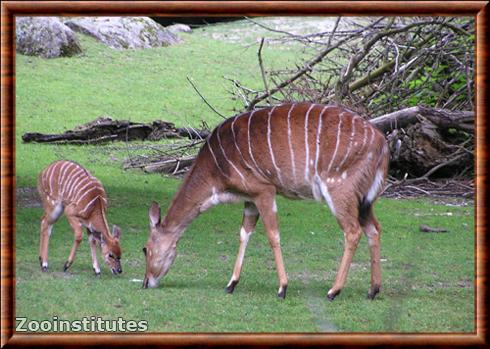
379, 66
414, 77
170, 159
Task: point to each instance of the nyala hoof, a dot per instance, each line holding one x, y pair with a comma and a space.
66, 266
282, 292
44, 266
331, 296
231, 287
373, 292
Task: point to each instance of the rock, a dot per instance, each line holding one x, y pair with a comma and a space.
124, 32
179, 28
46, 37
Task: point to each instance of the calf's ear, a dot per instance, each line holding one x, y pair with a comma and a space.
116, 232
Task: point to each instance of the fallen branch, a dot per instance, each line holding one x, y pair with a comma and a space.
463, 120
105, 129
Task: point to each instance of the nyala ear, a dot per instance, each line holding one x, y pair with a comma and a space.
154, 214
116, 232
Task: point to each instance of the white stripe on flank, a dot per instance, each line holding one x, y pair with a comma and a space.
214, 157
278, 171
227, 159
49, 174
250, 146
74, 177
84, 183
318, 137
307, 146
236, 145
346, 155
91, 183
69, 179
61, 175
79, 180
336, 144
63, 179
316, 183
291, 151
45, 177
90, 203
56, 171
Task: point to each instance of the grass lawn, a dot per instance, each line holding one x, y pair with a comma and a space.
427, 278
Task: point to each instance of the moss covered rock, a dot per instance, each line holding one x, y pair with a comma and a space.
124, 32
46, 37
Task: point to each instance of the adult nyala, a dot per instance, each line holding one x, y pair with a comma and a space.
301, 151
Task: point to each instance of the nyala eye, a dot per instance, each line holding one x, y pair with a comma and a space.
144, 250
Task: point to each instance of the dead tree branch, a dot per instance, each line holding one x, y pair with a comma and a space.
463, 120
307, 67
105, 129
262, 70
204, 99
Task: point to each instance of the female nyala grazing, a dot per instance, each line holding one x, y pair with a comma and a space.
302, 150
66, 187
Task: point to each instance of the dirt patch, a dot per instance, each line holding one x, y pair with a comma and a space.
314, 302
307, 276
28, 197
63, 275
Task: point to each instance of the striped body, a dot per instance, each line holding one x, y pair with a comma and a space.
66, 187
304, 150
301, 151
65, 183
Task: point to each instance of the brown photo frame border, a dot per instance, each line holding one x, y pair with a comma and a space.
10, 9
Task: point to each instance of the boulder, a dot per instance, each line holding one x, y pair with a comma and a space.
124, 32
46, 37
179, 28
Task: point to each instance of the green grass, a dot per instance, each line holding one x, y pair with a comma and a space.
427, 278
